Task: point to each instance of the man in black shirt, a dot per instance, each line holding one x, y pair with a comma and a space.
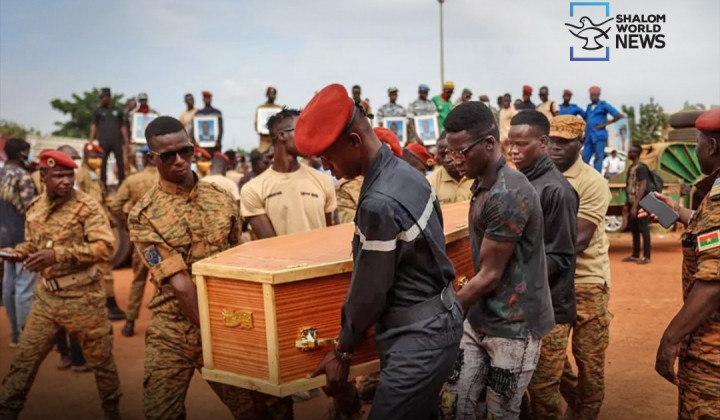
638, 175
209, 110
402, 277
527, 141
507, 302
109, 127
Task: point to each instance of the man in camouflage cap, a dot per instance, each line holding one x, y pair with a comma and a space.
67, 234
178, 222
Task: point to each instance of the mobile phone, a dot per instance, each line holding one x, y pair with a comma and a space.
4, 254
666, 215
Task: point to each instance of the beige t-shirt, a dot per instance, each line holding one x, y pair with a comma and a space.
548, 108
186, 119
294, 202
593, 264
447, 189
505, 115
225, 183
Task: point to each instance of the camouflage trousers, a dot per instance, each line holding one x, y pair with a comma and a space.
698, 388
137, 287
108, 282
590, 339
544, 386
82, 313
173, 352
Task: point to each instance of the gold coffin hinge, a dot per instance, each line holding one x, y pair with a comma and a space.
308, 340
232, 318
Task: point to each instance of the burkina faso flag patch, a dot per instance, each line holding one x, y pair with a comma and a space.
708, 240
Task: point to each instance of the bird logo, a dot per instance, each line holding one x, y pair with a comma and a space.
590, 32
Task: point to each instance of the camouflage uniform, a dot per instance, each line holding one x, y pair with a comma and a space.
88, 181
348, 195
699, 359
79, 233
172, 227
419, 108
130, 192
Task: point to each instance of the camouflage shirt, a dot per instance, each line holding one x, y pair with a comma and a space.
77, 230
173, 226
390, 110
701, 262
506, 208
133, 189
420, 107
88, 181
16, 193
348, 195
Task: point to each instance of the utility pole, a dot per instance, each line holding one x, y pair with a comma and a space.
442, 45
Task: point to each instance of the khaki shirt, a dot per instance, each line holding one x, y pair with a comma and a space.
348, 196
186, 118
593, 264
78, 230
133, 189
294, 202
549, 109
504, 117
225, 183
173, 226
88, 181
234, 176
447, 189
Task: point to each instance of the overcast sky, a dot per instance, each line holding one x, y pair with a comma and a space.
236, 48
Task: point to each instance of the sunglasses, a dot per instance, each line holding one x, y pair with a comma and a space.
462, 153
185, 152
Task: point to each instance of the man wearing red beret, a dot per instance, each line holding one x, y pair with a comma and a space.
596, 134
694, 332
566, 108
402, 277
418, 157
526, 102
67, 234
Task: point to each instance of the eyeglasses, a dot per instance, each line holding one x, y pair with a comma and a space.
185, 152
462, 153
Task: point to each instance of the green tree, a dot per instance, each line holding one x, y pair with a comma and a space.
80, 109
687, 106
649, 126
13, 129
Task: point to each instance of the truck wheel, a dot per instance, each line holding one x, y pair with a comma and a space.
615, 224
683, 134
684, 119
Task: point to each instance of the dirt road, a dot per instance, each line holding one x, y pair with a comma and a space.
643, 300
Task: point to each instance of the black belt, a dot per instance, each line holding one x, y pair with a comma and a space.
442, 302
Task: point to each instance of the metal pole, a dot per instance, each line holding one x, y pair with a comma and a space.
442, 46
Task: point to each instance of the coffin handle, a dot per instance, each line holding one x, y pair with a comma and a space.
309, 341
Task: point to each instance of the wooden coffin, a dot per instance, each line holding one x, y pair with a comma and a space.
270, 310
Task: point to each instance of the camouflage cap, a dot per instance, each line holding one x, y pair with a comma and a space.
567, 127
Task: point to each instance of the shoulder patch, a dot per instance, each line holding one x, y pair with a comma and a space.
708, 241
152, 255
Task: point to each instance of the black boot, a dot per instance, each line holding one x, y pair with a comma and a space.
129, 328
114, 313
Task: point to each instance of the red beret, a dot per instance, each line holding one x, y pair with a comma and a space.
388, 137
206, 93
222, 155
709, 120
527, 89
56, 159
202, 152
92, 147
420, 151
322, 121
567, 91
594, 89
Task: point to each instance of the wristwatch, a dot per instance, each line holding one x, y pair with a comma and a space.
343, 356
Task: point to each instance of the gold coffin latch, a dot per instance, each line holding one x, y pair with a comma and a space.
309, 340
232, 318
462, 281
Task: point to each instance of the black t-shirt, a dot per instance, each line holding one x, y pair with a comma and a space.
109, 121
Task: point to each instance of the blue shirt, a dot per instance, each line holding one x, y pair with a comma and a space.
595, 116
571, 109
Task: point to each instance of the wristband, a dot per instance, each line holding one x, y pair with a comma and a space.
343, 356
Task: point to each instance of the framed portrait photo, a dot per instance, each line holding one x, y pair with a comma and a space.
261, 118
139, 124
206, 129
397, 125
427, 128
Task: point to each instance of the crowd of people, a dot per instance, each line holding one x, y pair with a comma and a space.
536, 224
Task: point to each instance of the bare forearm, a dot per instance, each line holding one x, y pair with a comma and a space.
186, 293
124, 132
483, 283
93, 132
702, 302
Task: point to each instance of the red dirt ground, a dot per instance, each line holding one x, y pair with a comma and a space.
643, 300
